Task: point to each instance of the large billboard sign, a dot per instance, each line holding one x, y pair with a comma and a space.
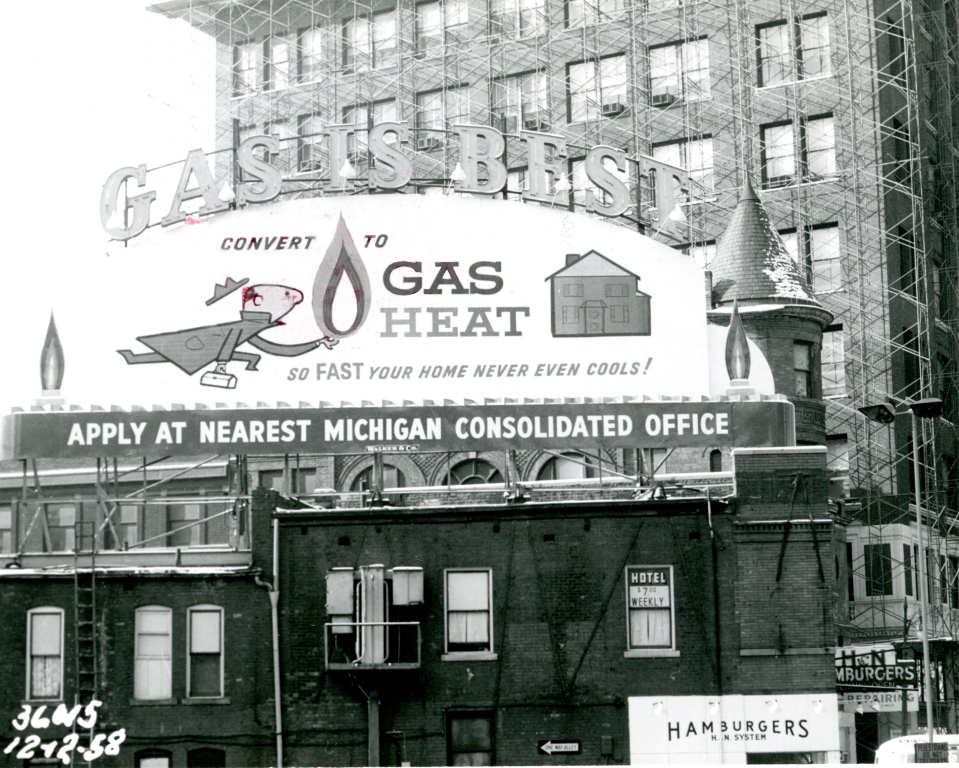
397, 297
397, 429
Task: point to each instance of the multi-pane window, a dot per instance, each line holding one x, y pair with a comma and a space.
824, 258
802, 368
309, 51
392, 478
878, 559
129, 525
469, 738
586, 12
596, 88
793, 50
283, 158
276, 63
245, 62
779, 154
61, 522
309, 144
517, 18
833, 362
817, 151
650, 602
819, 148
153, 655
908, 569
6, 530
436, 109
569, 466
521, 102
370, 41
363, 117
473, 472
583, 184
679, 71
45, 653
440, 22
469, 611
205, 667
696, 157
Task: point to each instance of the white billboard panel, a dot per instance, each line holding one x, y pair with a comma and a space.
384, 297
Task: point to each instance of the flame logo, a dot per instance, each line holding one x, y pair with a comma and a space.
737, 347
342, 258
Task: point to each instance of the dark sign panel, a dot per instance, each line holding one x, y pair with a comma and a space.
932, 753
558, 747
397, 430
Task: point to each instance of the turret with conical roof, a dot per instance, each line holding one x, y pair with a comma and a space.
752, 264
779, 311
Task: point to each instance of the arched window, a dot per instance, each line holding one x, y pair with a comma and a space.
715, 460
153, 657
44, 654
205, 651
569, 466
152, 758
392, 478
473, 472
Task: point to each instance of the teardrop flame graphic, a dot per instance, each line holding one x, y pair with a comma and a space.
737, 347
342, 259
51, 359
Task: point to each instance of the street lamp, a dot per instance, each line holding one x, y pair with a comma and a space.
883, 413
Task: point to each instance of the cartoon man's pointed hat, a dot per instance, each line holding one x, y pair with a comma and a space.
220, 291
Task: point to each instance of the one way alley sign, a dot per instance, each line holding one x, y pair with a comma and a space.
558, 747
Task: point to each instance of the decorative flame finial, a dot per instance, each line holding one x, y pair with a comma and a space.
342, 259
737, 353
51, 361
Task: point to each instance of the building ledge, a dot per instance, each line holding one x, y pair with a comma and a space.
470, 656
651, 653
787, 652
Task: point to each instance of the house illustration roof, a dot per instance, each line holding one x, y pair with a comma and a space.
752, 264
593, 264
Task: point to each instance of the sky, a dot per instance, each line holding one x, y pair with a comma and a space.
91, 87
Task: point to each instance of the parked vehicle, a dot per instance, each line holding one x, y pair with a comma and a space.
903, 749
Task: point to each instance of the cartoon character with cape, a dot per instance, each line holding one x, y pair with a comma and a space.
194, 348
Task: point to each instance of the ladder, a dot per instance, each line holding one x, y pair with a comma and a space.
85, 624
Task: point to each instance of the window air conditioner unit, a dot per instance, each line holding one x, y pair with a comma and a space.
664, 99
428, 144
533, 122
613, 109
779, 181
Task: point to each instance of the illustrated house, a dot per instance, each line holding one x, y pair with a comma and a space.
593, 296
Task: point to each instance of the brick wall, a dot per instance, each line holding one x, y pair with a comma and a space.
241, 723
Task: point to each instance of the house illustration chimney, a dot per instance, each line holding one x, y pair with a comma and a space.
572, 258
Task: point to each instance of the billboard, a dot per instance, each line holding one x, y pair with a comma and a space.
395, 296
